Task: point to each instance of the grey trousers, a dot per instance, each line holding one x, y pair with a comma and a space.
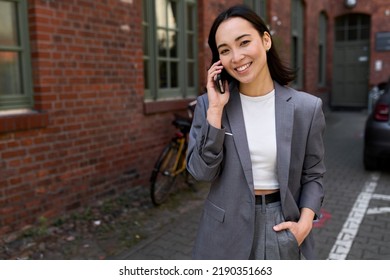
269, 244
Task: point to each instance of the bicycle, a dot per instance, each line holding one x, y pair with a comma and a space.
172, 161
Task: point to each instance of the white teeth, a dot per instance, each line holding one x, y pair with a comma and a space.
242, 68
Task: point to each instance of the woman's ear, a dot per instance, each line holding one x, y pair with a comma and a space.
267, 42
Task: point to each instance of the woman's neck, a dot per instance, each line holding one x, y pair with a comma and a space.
258, 87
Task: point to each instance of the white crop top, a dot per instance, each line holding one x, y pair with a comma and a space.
259, 117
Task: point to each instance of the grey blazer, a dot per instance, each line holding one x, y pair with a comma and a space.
221, 156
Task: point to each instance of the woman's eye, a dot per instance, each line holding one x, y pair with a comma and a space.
244, 43
223, 52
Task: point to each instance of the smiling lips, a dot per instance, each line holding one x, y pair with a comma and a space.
243, 67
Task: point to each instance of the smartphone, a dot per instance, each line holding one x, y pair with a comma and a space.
219, 83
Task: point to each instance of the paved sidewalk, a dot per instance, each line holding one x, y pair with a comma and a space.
172, 242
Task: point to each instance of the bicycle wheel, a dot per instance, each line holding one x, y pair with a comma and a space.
162, 180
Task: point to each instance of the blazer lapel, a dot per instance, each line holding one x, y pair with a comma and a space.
237, 125
284, 118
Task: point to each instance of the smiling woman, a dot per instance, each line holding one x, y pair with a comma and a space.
266, 182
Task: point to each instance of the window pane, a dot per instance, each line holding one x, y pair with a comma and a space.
353, 20
8, 24
263, 12
365, 20
320, 64
145, 40
163, 74
190, 20
190, 46
322, 49
322, 28
167, 43
341, 22
146, 73
173, 44
166, 14
161, 14
339, 35
365, 33
162, 38
352, 34
174, 74
144, 10
190, 74
294, 47
10, 79
172, 14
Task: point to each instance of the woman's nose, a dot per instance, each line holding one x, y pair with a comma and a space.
237, 56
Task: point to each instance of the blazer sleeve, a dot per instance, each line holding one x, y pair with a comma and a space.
313, 193
205, 145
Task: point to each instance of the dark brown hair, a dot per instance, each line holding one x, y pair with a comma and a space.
279, 72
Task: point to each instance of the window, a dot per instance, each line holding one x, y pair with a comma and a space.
170, 49
259, 6
297, 41
353, 27
15, 67
322, 49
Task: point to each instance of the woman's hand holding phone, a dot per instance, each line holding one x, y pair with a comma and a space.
218, 94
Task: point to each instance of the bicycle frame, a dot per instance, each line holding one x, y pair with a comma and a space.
180, 157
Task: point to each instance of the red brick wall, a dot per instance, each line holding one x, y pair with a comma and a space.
280, 25
96, 141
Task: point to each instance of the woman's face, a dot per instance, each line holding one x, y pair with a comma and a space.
242, 50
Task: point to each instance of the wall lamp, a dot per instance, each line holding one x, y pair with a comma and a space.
350, 3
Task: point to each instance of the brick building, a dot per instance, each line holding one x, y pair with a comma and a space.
88, 88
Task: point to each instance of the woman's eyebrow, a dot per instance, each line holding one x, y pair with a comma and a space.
237, 39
